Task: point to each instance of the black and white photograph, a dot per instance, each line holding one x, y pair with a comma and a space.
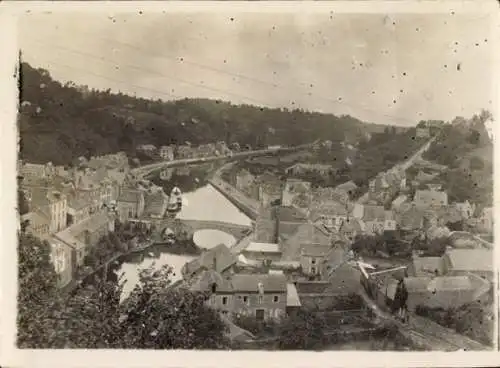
255, 180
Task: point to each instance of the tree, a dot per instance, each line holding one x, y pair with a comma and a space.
304, 330
37, 285
154, 316
157, 316
476, 163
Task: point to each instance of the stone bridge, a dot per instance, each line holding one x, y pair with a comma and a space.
191, 226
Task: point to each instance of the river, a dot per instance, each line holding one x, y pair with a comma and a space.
200, 202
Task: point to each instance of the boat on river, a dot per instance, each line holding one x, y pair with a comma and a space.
175, 201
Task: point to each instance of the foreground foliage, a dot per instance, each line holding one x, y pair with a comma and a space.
153, 316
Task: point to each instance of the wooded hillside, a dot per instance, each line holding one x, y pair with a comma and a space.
61, 122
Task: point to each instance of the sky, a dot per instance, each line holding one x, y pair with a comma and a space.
390, 69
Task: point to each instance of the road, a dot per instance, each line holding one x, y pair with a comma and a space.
146, 169
405, 165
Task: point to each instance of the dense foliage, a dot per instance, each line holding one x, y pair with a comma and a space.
302, 331
60, 122
474, 320
153, 316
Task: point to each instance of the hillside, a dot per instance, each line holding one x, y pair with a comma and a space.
465, 148
61, 122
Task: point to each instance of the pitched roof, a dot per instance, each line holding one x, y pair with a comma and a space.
290, 214
347, 186
130, 195
471, 259
450, 283
263, 247
427, 266
250, 282
399, 200
417, 284
373, 213
207, 278
431, 197
315, 250
328, 208
220, 255
79, 203
155, 203
411, 219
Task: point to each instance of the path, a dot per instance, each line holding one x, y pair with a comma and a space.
424, 331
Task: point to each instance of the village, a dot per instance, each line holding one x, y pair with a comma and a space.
309, 247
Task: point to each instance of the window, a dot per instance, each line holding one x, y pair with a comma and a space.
224, 300
313, 260
276, 299
313, 270
245, 299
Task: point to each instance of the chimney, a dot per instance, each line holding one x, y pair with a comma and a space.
260, 287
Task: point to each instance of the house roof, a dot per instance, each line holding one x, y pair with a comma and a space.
220, 255
250, 282
292, 296
471, 259
39, 217
155, 203
313, 250
450, 283
417, 284
328, 208
130, 195
263, 247
373, 213
347, 186
431, 197
424, 177
427, 265
399, 200
207, 278
411, 219
78, 203
290, 214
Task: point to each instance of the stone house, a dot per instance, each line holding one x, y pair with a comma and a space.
466, 209
244, 180
184, 151
312, 257
48, 203
86, 234
486, 219
38, 223
262, 296
167, 152
79, 209
148, 149
294, 189
351, 228
422, 132
130, 204
63, 258
329, 213
28, 170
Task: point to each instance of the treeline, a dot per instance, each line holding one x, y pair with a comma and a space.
61, 122
466, 148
